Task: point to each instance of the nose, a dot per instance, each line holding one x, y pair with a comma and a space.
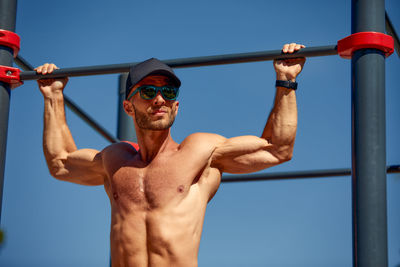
158, 100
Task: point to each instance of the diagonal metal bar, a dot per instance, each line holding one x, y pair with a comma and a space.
20, 61
391, 31
187, 62
89, 120
296, 175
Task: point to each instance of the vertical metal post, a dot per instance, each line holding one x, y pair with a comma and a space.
8, 11
368, 140
125, 129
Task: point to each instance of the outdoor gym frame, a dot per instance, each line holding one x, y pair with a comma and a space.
367, 47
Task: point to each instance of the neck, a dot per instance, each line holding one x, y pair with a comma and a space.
152, 143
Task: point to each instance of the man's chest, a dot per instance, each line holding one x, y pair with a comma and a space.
160, 183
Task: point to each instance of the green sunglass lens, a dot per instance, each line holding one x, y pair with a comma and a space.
147, 92
170, 92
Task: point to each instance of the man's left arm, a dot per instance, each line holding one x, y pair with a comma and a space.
246, 154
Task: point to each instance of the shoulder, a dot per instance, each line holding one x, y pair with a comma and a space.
134, 145
120, 149
202, 145
206, 140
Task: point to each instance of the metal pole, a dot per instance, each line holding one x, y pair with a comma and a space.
8, 11
295, 175
368, 141
186, 62
125, 129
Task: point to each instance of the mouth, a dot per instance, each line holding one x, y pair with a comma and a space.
158, 112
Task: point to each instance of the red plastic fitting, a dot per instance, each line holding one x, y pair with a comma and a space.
10, 39
362, 40
10, 75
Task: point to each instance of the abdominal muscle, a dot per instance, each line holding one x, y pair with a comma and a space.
162, 236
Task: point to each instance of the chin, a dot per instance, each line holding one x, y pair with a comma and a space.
159, 125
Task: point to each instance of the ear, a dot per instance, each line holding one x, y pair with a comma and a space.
176, 107
128, 107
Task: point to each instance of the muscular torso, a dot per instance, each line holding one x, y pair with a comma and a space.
158, 208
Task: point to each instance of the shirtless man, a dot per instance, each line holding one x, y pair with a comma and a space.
159, 193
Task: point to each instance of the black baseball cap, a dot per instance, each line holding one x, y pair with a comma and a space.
149, 67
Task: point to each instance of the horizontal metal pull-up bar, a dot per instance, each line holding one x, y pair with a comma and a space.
186, 62
296, 175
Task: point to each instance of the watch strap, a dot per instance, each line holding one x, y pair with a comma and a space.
286, 84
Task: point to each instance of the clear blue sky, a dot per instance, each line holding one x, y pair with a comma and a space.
303, 222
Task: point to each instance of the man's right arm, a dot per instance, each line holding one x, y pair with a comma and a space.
64, 160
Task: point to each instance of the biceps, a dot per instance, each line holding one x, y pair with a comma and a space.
82, 167
250, 162
244, 154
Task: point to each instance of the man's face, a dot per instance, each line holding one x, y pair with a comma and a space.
155, 114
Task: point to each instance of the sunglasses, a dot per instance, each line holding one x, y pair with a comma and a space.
149, 92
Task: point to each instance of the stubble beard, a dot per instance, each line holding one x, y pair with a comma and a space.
144, 122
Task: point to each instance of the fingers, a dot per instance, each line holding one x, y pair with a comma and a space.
289, 68
292, 47
50, 84
46, 68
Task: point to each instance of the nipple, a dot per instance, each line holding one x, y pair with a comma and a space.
181, 188
115, 195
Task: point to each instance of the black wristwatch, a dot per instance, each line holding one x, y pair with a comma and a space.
286, 84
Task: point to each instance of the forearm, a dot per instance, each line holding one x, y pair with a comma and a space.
249, 154
280, 130
57, 138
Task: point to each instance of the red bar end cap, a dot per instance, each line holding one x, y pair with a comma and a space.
10, 39
362, 40
10, 75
